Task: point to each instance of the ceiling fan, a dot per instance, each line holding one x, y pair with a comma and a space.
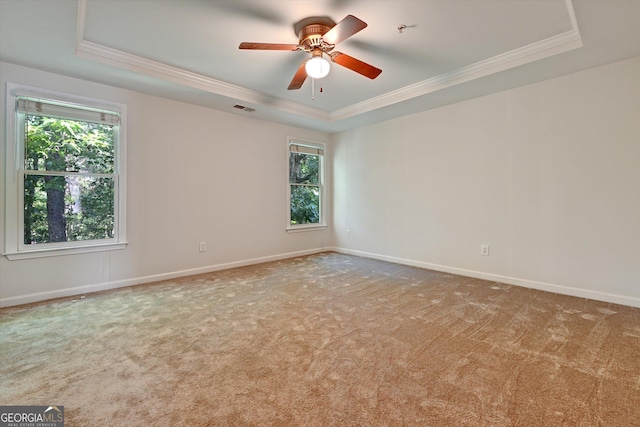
319, 36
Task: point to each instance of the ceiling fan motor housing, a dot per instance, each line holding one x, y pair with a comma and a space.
311, 37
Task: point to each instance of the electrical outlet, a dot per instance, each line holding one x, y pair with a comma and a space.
484, 250
348, 233
203, 246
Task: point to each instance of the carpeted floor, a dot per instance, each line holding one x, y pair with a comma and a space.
325, 340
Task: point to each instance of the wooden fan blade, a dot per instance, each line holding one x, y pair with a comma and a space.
299, 78
268, 46
344, 29
355, 65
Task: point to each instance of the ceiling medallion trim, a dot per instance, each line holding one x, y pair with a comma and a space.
545, 48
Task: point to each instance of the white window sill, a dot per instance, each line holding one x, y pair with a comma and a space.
49, 252
302, 228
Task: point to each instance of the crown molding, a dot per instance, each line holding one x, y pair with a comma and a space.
535, 51
117, 58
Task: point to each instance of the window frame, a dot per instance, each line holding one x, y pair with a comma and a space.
14, 247
322, 224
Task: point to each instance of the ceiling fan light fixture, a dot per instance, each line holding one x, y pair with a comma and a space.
317, 67
319, 36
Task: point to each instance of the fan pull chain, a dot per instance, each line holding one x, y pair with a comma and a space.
313, 89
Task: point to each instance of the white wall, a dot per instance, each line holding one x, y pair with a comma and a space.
548, 175
194, 174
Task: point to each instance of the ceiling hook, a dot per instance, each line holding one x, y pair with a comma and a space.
401, 28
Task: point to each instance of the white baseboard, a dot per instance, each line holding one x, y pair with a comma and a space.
558, 289
79, 290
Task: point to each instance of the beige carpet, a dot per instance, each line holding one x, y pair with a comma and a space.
325, 340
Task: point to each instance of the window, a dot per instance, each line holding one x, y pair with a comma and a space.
306, 191
65, 188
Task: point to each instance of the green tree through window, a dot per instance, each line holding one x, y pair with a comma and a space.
305, 184
65, 175
68, 180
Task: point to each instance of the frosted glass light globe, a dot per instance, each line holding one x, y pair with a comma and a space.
317, 67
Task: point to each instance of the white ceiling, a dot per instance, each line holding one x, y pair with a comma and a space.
188, 50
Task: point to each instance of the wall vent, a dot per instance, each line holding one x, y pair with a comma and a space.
242, 107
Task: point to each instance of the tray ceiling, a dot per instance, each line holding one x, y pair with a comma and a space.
188, 50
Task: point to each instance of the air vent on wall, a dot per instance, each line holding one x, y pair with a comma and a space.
242, 107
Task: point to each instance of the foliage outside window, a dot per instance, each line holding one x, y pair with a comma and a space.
67, 180
305, 185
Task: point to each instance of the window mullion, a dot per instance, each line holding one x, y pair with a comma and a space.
305, 185
66, 173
